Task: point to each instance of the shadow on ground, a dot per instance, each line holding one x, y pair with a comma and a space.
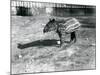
38, 43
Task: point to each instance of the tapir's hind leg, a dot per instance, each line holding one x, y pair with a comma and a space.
73, 37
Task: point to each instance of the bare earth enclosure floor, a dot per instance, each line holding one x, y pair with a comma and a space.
40, 52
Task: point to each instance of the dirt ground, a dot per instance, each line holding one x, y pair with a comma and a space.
39, 52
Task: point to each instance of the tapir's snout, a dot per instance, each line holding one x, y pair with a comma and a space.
44, 30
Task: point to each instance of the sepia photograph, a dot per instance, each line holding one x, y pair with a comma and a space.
52, 37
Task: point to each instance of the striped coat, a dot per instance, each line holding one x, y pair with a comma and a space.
70, 25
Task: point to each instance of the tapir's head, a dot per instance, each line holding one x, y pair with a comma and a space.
50, 26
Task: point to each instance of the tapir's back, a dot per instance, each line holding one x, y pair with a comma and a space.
71, 25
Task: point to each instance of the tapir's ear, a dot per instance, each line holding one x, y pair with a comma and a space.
53, 19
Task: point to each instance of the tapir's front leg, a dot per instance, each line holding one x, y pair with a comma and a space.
60, 37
